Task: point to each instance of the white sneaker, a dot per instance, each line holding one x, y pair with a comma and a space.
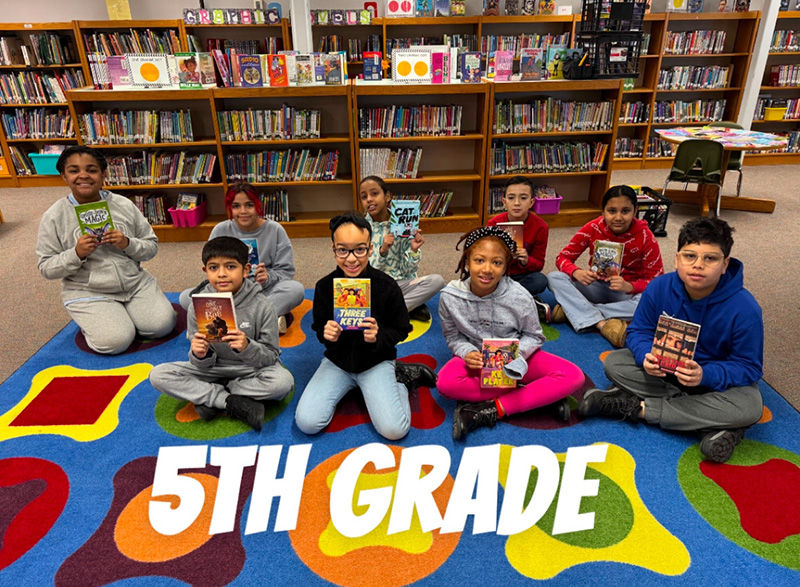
282, 327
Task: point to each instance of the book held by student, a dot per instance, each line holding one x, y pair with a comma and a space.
351, 302
94, 218
498, 352
514, 228
675, 342
404, 218
607, 258
252, 253
215, 314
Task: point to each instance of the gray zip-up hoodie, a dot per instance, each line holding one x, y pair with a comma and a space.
507, 312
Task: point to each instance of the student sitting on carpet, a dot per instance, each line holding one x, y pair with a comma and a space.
486, 304
399, 257
589, 301
103, 286
239, 373
361, 358
716, 393
275, 269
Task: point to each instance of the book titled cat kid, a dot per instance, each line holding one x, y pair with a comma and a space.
94, 218
215, 314
351, 299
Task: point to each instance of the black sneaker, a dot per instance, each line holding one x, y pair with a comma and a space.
245, 409
420, 313
612, 403
467, 417
543, 309
207, 413
414, 375
561, 410
718, 445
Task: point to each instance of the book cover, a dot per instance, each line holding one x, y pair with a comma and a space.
215, 314
118, 72
424, 8
319, 68
409, 65
470, 67
491, 7
556, 54
332, 64
528, 8
514, 228
278, 75
291, 65
305, 69
547, 7
458, 7
351, 302
252, 253
205, 66
512, 7
250, 70
531, 63
188, 71
440, 68
498, 352
607, 258
674, 343
441, 8
373, 65
149, 70
404, 218
503, 65
94, 218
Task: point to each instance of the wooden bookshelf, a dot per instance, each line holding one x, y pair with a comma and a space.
355, 66
238, 32
518, 25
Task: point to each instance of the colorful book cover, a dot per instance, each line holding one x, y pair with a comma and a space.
332, 64
118, 72
458, 7
252, 253
351, 302
498, 352
607, 258
531, 63
491, 7
94, 218
205, 66
556, 54
512, 7
424, 8
674, 343
278, 75
470, 67
188, 71
547, 7
404, 218
490, 65
440, 68
304, 65
514, 228
528, 8
291, 65
503, 65
215, 314
319, 68
373, 65
441, 8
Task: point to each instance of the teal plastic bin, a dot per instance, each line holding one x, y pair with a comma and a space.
45, 164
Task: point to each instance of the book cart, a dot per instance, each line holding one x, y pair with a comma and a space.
784, 51
582, 191
448, 162
29, 144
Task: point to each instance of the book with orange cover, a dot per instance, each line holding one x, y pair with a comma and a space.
215, 314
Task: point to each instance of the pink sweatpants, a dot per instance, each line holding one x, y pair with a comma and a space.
549, 378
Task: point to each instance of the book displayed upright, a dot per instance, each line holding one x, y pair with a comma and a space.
373, 65
250, 70
514, 228
215, 314
252, 253
531, 63
424, 8
278, 74
94, 218
607, 258
498, 352
556, 55
304, 65
674, 343
351, 302
404, 218
471, 67
440, 67
503, 65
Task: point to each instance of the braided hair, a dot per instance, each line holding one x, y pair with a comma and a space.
470, 238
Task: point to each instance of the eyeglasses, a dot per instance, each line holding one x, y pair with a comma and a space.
343, 252
709, 259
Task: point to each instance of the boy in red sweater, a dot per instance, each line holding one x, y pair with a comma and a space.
589, 301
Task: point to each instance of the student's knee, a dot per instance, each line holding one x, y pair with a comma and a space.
618, 361
394, 430
751, 409
160, 376
278, 383
557, 278
308, 421
159, 322
297, 293
185, 298
112, 339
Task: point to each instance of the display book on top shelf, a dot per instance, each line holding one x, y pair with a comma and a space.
354, 39
780, 92
448, 160
698, 102
266, 38
571, 153
34, 51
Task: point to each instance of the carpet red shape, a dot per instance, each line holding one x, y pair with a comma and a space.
70, 401
425, 412
33, 493
767, 496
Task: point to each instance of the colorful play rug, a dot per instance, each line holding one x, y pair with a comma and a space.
93, 459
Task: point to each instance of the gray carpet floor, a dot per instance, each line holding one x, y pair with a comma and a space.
767, 244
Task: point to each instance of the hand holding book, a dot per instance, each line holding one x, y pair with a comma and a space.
116, 238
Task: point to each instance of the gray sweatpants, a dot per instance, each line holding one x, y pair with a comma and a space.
284, 296
676, 407
419, 290
211, 387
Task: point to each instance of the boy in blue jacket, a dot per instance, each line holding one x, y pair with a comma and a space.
716, 393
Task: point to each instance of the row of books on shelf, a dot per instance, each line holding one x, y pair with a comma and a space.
241, 46
285, 122
160, 168
39, 87
467, 42
433, 204
21, 162
695, 42
634, 112
290, 165
354, 47
41, 49
784, 76
658, 147
281, 69
515, 43
785, 41
275, 205
625, 148
409, 121
37, 123
693, 77
690, 111
152, 207
120, 127
540, 192
552, 115
547, 157
135, 41
193, 16
765, 101
390, 163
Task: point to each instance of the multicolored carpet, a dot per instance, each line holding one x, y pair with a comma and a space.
81, 436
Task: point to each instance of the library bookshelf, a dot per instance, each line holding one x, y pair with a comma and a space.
346, 34
448, 162
237, 32
582, 191
780, 56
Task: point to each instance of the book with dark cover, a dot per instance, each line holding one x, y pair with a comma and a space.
215, 314
674, 343
514, 229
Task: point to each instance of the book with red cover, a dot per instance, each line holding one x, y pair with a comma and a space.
675, 342
278, 75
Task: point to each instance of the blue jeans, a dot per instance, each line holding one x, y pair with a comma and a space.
386, 399
586, 305
535, 282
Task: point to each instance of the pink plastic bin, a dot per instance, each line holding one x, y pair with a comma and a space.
547, 205
189, 218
